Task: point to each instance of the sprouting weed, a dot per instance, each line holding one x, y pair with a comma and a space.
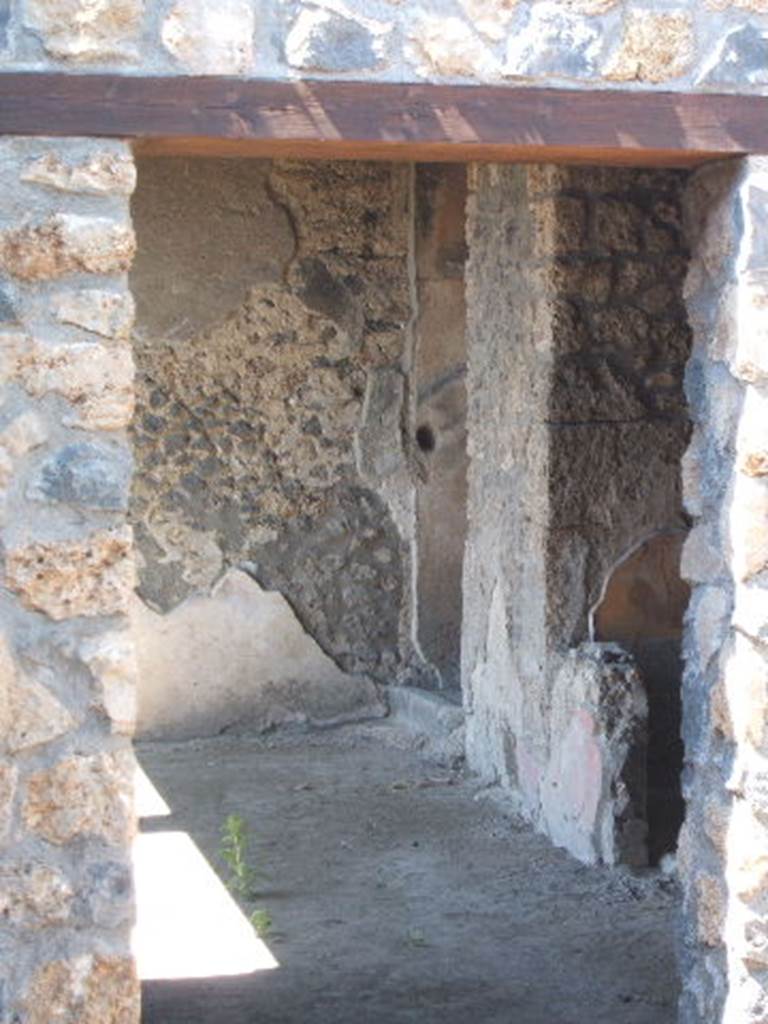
242, 880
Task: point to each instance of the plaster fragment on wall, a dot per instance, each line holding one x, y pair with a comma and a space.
238, 659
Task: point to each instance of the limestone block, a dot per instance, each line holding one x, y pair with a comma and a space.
211, 39
109, 314
8, 674
758, 6
36, 715
751, 611
322, 40
447, 47
748, 855
555, 42
754, 787
590, 6
6, 471
713, 238
33, 895
490, 18
86, 990
702, 558
745, 523
752, 438
8, 779
24, 433
111, 660
86, 30
103, 173
96, 379
711, 607
744, 672
85, 473
83, 796
89, 576
756, 942
717, 814
711, 900
655, 47
66, 244
747, 352
13, 346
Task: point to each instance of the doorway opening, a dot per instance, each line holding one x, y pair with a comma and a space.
395, 425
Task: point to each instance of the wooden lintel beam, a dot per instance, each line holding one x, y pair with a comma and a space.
226, 116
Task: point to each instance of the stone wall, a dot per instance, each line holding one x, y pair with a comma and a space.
715, 45
67, 668
276, 337
616, 411
576, 347
722, 857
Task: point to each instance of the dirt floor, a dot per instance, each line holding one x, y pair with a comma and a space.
400, 893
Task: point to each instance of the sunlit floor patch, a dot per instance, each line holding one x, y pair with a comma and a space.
149, 803
188, 925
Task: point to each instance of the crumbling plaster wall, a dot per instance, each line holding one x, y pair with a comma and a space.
278, 328
702, 45
67, 665
577, 342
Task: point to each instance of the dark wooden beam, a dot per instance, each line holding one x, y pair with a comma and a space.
225, 116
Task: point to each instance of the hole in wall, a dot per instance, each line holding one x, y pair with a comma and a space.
642, 608
425, 438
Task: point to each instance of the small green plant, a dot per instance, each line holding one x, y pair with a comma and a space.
415, 937
243, 877
234, 852
262, 922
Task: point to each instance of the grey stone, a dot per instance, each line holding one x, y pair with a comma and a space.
109, 890
555, 43
741, 57
5, 17
326, 41
7, 312
84, 473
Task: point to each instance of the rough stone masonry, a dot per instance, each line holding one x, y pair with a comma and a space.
719, 45
67, 661
67, 668
725, 836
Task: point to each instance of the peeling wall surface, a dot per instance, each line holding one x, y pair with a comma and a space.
277, 332
577, 343
716, 45
238, 660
